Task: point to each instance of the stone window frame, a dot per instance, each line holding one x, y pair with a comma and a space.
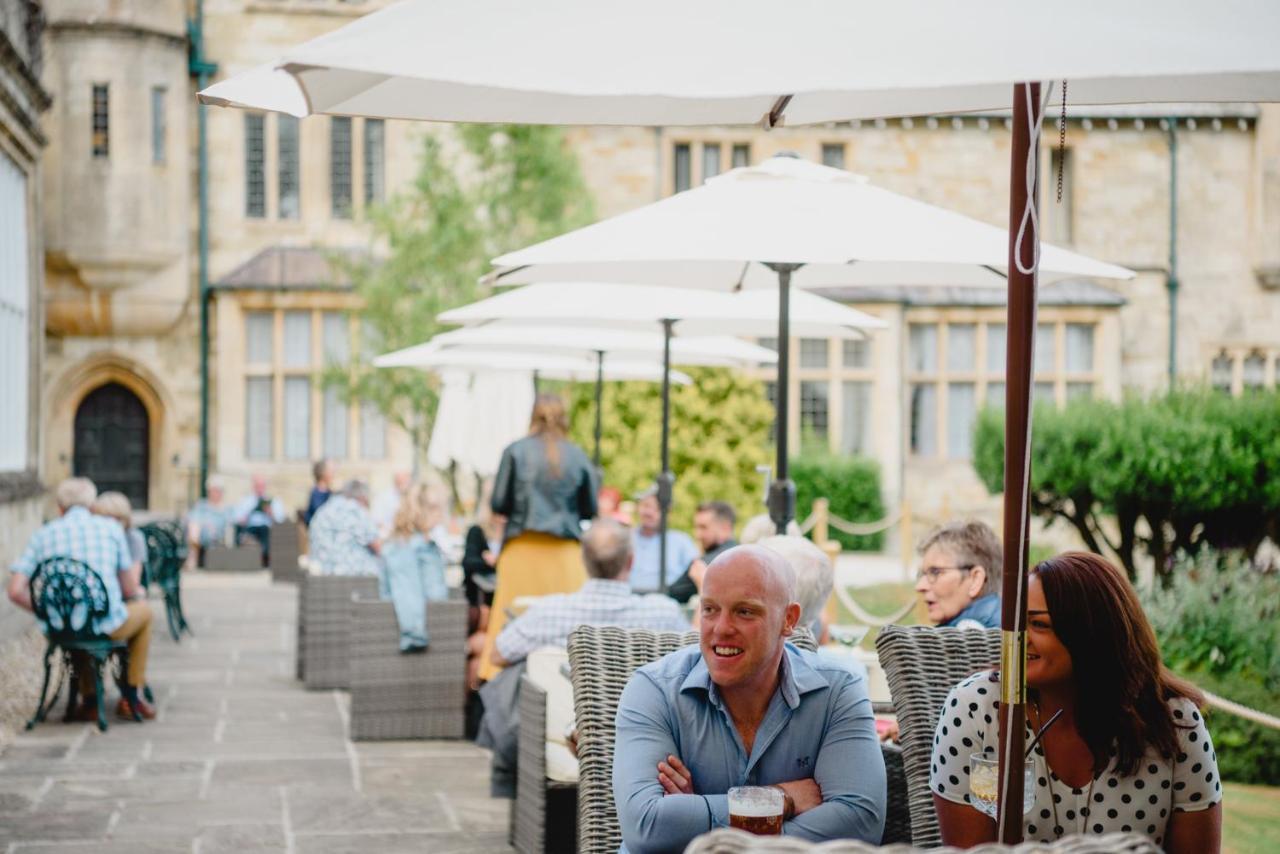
1236, 355
159, 125
981, 375
733, 149
255, 165
342, 197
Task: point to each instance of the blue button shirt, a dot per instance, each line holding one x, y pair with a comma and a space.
981, 613
819, 724
644, 569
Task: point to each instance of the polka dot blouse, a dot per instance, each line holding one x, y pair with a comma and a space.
1140, 803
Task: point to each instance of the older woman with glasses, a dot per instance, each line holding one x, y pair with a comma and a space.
959, 576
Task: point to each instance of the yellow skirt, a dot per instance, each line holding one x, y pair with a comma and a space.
533, 564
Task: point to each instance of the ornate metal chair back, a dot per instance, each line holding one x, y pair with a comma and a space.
68, 596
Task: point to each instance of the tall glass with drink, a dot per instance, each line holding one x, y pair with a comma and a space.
757, 809
984, 784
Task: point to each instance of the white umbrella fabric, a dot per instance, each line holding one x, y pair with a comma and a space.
749, 61
480, 413
742, 61
553, 366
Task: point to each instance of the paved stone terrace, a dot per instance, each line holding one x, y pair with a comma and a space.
241, 758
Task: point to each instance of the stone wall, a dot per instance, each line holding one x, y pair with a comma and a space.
18, 520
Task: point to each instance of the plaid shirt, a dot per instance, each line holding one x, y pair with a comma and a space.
95, 540
598, 602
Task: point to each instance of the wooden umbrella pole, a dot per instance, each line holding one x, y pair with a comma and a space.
1023, 255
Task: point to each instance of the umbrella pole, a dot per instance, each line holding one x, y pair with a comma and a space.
782, 491
599, 402
1022, 279
666, 480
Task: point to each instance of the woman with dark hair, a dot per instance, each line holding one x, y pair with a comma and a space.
545, 487
1130, 751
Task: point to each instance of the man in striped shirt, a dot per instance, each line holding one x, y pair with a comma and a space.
99, 542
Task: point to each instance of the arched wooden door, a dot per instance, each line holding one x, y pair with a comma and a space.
113, 441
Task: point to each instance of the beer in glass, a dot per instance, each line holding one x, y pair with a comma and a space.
756, 809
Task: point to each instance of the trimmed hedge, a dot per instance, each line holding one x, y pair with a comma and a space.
851, 484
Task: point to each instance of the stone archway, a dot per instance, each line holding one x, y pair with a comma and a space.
112, 444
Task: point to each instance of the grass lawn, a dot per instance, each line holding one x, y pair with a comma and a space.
1251, 814
1250, 819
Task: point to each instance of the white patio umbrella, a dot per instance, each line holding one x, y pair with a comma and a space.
745, 61
480, 413
596, 342
693, 310
553, 366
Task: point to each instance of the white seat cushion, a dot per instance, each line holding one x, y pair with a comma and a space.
544, 669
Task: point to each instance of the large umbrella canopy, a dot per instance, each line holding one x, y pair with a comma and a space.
710, 350
743, 61
843, 229
552, 366
461, 435
696, 312
717, 62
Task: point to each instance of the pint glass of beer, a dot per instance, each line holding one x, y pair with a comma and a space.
756, 809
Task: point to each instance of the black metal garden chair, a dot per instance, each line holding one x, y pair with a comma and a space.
68, 597
166, 553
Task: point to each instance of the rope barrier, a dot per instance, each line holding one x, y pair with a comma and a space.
1245, 712
807, 525
857, 529
863, 616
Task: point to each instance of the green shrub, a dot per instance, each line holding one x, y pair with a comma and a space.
1219, 626
851, 484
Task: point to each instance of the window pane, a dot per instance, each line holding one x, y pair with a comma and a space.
375, 158
373, 432
287, 166
995, 395
255, 177
1255, 368
297, 339
855, 410
159, 122
856, 353
336, 329
340, 166
258, 418
813, 413
681, 162
710, 160
1044, 393
996, 342
334, 428
962, 409
813, 352
259, 337
741, 155
833, 154
1044, 348
924, 348
1079, 391
1079, 345
1220, 375
924, 420
100, 138
962, 347
16, 330
297, 418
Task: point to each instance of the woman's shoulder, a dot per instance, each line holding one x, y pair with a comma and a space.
981, 687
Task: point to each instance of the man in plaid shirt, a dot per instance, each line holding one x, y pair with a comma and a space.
99, 542
604, 600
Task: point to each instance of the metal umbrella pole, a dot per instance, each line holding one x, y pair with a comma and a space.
666, 480
599, 404
1024, 253
782, 490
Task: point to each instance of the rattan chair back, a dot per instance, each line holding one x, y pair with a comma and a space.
726, 841
922, 665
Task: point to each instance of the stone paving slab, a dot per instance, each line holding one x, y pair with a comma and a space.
241, 758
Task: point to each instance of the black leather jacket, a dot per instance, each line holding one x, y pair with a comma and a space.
534, 498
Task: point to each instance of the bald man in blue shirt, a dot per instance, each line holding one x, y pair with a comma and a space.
745, 708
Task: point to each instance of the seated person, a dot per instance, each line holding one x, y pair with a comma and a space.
1130, 751
761, 526
815, 578
959, 575
646, 542
342, 537
115, 505
254, 515
100, 543
322, 471
746, 708
208, 520
604, 600
713, 528
413, 569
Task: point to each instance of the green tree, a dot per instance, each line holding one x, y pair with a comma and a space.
1163, 475
480, 191
720, 432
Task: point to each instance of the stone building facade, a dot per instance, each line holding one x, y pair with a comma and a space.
120, 259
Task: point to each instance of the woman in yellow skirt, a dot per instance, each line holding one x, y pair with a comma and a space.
545, 487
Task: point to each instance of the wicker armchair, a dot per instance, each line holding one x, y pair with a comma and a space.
542, 814
324, 627
396, 695
922, 665
727, 841
286, 545
602, 660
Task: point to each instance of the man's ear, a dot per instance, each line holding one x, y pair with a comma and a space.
790, 618
977, 579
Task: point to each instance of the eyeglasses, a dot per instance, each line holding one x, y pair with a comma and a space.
933, 573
